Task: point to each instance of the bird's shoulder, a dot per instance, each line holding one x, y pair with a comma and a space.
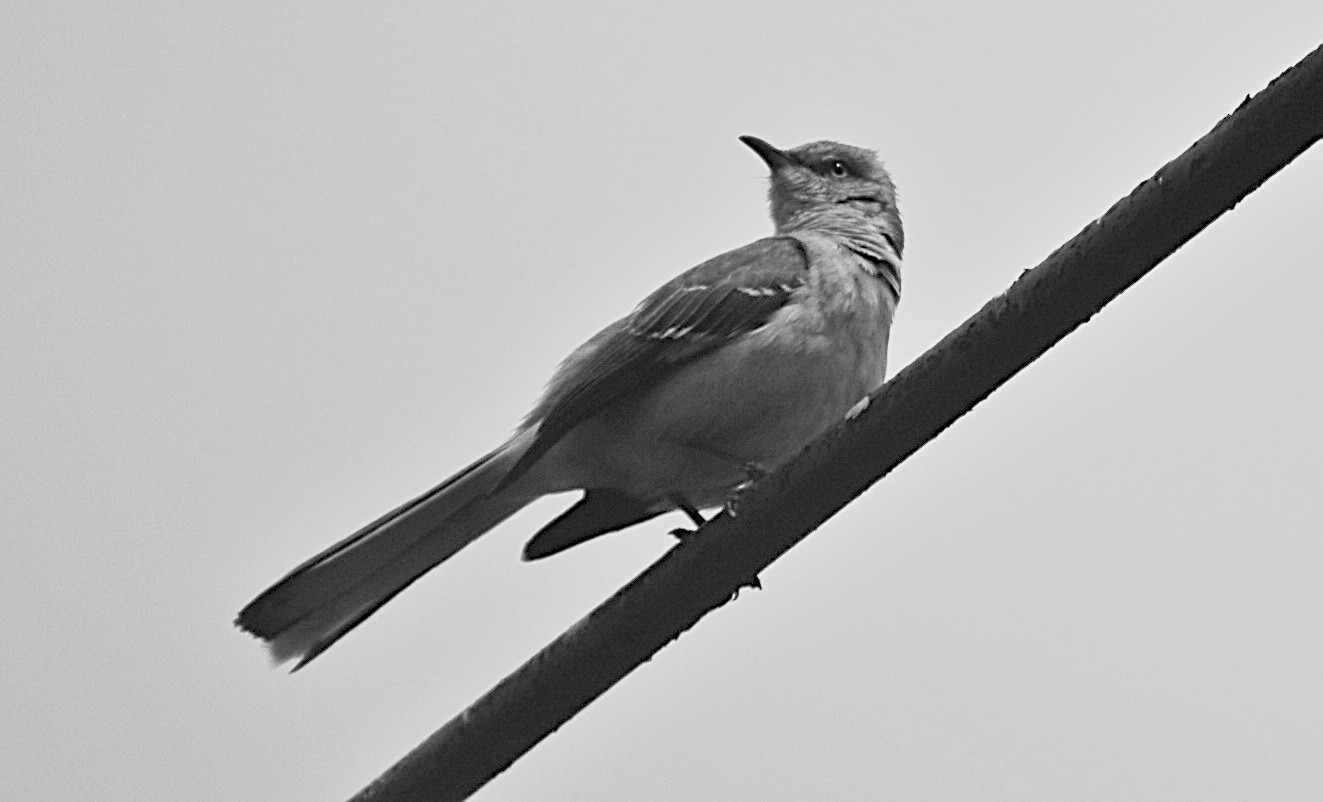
725, 296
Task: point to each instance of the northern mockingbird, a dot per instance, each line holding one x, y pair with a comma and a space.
724, 372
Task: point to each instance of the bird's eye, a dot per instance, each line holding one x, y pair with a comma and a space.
838, 168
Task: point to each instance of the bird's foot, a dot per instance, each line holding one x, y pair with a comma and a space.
858, 409
752, 473
681, 533
754, 583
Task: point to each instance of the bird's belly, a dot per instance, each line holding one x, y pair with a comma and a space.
746, 405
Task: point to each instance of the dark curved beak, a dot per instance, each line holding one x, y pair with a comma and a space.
776, 159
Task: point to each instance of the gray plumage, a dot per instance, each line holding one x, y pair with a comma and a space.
726, 370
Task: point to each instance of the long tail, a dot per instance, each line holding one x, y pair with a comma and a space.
321, 600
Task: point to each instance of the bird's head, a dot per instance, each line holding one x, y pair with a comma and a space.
814, 184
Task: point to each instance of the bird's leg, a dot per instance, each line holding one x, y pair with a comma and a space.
752, 470
694, 515
682, 534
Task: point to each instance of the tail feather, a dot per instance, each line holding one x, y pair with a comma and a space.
322, 599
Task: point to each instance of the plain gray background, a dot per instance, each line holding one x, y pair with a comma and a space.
267, 270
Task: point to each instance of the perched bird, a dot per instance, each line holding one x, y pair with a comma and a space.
724, 372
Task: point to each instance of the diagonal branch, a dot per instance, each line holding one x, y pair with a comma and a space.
1044, 305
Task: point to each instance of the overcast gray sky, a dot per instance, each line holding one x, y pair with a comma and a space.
267, 270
